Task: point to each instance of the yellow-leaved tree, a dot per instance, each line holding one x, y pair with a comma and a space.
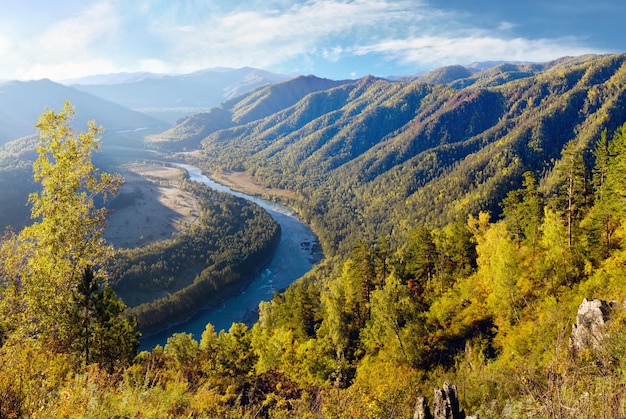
53, 283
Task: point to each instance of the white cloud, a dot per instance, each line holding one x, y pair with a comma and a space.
446, 50
68, 47
268, 37
410, 32
506, 26
69, 69
5, 45
77, 34
165, 36
154, 65
333, 54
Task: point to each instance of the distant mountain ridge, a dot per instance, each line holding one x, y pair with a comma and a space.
125, 101
170, 97
21, 103
111, 78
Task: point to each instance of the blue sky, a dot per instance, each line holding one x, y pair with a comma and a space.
329, 38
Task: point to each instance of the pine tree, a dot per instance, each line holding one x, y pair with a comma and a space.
97, 330
522, 210
574, 189
607, 214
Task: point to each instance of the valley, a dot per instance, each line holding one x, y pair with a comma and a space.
296, 253
459, 212
151, 206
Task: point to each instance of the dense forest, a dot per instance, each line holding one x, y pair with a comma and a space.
16, 160
223, 249
465, 218
373, 157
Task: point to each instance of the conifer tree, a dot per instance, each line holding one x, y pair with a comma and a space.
523, 211
603, 221
574, 189
97, 330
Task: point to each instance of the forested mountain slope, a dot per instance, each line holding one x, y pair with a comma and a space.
371, 156
468, 221
257, 104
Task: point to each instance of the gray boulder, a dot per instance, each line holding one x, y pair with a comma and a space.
587, 333
421, 409
446, 403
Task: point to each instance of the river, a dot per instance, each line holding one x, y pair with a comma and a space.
295, 255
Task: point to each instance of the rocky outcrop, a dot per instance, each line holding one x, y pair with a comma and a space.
421, 409
587, 333
445, 405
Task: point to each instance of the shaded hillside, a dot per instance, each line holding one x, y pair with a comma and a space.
22, 102
258, 104
370, 155
16, 181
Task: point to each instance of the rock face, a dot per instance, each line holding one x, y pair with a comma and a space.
445, 405
421, 409
590, 319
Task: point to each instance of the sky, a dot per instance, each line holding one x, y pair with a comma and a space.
337, 39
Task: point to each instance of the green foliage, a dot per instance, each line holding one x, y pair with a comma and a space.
98, 330
416, 292
55, 315
182, 348
44, 264
393, 306
228, 244
523, 212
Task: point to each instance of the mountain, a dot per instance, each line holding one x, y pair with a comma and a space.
450, 73
112, 78
484, 65
445, 75
257, 104
170, 97
21, 103
369, 155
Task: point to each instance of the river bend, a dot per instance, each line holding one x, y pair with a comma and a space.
295, 255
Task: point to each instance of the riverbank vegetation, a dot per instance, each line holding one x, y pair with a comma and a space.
229, 242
